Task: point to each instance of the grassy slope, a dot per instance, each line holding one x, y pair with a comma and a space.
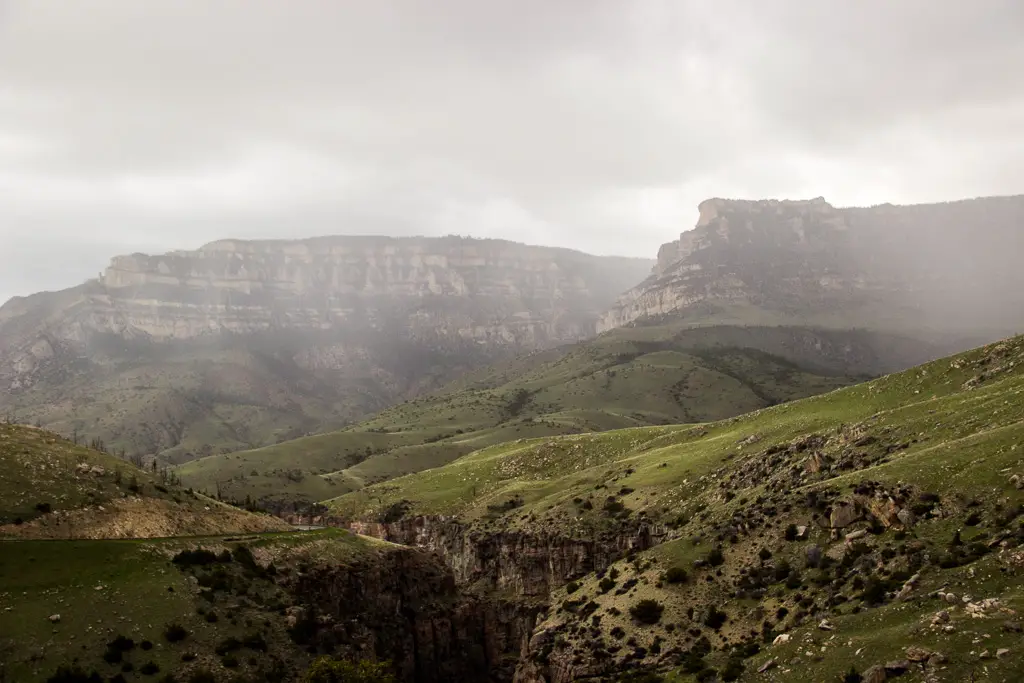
953, 428
96, 588
631, 377
52, 488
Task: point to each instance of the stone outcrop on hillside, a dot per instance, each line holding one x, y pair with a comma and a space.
945, 267
291, 330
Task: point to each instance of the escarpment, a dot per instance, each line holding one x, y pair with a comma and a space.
516, 562
405, 607
932, 269
241, 344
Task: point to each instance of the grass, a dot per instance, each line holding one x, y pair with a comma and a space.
53, 488
667, 375
950, 431
97, 588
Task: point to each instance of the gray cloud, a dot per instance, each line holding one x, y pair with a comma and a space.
597, 124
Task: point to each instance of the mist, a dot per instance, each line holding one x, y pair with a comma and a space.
594, 125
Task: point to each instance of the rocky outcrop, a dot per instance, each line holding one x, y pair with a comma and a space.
524, 564
405, 607
944, 267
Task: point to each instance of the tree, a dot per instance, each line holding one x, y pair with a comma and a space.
327, 670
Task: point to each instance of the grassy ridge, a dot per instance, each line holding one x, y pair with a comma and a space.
53, 488
923, 468
628, 378
94, 589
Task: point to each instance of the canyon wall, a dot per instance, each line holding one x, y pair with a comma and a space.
944, 268
243, 343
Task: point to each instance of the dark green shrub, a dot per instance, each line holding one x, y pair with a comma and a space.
675, 575
149, 669
175, 633
66, 674
572, 587
791, 532
715, 618
647, 611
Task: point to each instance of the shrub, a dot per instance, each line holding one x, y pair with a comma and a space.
149, 669
175, 633
853, 676
715, 557
74, 675
647, 611
44, 508
675, 575
199, 556
607, 583
733, 670
327, 670
765, 555
714, 618
572, 587
791, 532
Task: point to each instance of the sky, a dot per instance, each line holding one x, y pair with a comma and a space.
593, 124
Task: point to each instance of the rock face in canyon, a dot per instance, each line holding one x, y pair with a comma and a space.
240, 344
941, 268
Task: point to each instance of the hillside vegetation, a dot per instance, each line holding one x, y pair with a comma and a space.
654, 375
169, 609
53, 488
868, 532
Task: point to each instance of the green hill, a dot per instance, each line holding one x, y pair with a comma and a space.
879, 525
654, 375
167, 609
53, 488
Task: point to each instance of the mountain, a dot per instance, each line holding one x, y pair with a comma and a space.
859, 535
245, 343
52, 488
654, 375
928, 270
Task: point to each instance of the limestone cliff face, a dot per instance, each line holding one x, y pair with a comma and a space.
943, 266
522, 564
351, 323
480, 289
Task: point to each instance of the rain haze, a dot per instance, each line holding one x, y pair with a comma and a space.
593, 124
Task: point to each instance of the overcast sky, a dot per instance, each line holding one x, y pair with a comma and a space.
149, 125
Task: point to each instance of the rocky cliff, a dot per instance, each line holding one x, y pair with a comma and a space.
261, 341
943, 267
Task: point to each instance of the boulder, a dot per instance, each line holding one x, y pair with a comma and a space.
875, 674
918, 654
897, 667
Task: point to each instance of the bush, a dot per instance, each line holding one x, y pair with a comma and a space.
733, 670
647, 611
74, 675
853, 676
715, 618
149, 669
327, 670
175, 633
44, 508
607, 583
715, 558
764, 554
675, 575
199, 556
572, 587
791, 532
